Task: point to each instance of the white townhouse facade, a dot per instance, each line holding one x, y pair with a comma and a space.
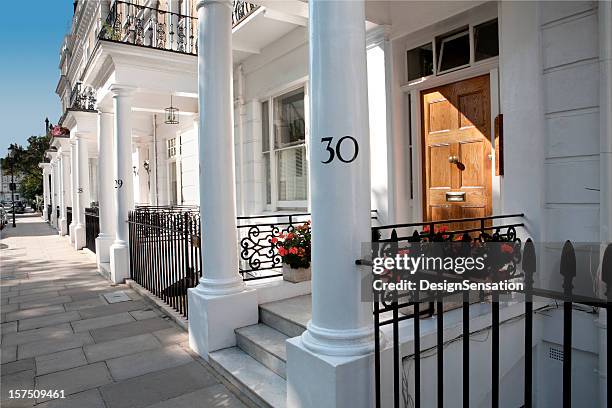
422, 111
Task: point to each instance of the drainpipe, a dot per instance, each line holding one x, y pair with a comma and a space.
240, 131
605, 171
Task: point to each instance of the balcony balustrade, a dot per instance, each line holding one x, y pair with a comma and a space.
130, 23
82, 98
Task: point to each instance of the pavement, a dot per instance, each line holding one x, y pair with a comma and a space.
60, 333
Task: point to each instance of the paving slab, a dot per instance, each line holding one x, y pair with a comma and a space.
122, 368
35, 312
75, 380
129, 329
159, 386
51, 320
53, 345
17, 366
85, 399
213, 396
109, 309
85, 304
28, 336
45, 302
10, 327
144, 314
99, 322
9, 353
121, 347
172, 335
60, 361
23, 380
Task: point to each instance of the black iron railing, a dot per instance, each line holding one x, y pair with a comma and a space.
82, 98
165, 254
68, 218
259, 258
57, 213
49, 209
144, 26
387, 241
92, 227
242, 9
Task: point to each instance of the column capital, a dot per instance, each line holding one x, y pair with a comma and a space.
119, 90
203, 3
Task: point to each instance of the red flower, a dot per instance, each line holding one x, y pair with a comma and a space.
293, 250
443, 228
507, 248
282, 251
274, 240
290, 235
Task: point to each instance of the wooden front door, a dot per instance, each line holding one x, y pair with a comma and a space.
457, 150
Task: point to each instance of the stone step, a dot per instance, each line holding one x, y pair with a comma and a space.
288, 316
265, 345
256, 381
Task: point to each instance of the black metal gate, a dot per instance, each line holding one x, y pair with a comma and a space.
387, 242
92, 227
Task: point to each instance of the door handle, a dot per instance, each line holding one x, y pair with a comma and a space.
453, 159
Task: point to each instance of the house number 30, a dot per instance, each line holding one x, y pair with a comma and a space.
337, 150
79, 190
118, 183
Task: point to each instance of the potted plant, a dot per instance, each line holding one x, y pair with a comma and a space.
294, 249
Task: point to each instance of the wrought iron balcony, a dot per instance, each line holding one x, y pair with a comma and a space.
144, 26
82, 98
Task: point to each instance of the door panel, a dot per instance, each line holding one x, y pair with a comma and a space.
457, 149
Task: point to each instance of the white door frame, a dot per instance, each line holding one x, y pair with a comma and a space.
412, 130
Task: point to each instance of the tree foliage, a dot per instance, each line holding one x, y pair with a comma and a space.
25, 162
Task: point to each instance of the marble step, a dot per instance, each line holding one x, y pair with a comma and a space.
265, 345
256, 381
288, 316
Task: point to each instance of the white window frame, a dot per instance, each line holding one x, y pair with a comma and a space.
428, 35
176, 162
276, 204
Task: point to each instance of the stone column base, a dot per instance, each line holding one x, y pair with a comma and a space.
315, 380
213, 319
63, 226
79, 236
119, 261
71, 232
103, 244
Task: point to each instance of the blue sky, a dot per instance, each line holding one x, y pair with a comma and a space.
30, 40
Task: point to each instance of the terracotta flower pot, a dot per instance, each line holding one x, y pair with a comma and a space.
295, 275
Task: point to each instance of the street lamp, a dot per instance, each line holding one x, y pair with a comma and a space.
12, 186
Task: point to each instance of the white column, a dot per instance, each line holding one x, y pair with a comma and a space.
331, 363
73, 193
122, 182
46, 192
220, 303
64, 188
82, 190
54, 194
105, 187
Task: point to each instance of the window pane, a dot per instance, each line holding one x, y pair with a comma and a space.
486, 43
268, 174
292, 174
265, 127
453, 51
173, 184
289, 124
420, 62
